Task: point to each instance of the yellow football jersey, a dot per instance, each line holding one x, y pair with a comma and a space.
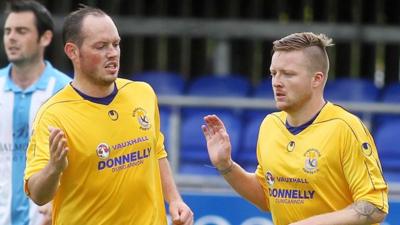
113, 173
326, 167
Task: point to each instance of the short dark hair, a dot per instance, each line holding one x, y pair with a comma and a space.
43, 19
72, 28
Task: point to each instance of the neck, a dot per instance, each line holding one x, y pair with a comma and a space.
25, 74
305, 113
92, 89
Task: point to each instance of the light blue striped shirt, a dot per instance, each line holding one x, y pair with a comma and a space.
17, 111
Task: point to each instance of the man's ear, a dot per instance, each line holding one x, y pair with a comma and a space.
71, 50
46, 38
318, 79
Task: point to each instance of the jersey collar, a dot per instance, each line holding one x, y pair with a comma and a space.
40, 84
104, 101
298, 129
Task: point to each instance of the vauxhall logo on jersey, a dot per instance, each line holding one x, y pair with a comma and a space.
124, 161
142, 118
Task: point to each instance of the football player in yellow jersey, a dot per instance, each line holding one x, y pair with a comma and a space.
96, 147
317, 163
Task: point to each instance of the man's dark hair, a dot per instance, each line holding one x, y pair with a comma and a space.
73, 23
43, 19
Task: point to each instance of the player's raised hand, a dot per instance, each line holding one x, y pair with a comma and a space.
58, 150
218, 143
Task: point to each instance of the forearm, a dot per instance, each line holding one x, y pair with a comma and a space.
168, 184
246, 184
43, 185
358, 213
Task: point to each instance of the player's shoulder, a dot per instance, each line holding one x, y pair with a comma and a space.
136, 86
57, 74
5, 71
274, 118
61, 77
54, 105
343, 119
62, 97
333, 111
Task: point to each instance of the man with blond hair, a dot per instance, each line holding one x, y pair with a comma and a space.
317, 163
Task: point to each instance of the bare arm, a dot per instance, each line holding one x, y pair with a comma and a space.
219, 150
179, 211
358, 213
247, 185
43, 185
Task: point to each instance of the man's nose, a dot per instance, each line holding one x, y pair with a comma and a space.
112, 52
276, 81
10, 35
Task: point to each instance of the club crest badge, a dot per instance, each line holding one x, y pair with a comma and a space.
270, 178
142, 118
103, 151
311, 161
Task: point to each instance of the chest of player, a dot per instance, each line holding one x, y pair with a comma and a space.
108, 137
302, 159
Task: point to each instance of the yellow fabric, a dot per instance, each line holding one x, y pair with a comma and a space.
122, 186
326, 167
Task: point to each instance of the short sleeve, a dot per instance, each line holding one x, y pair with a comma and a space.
160, 149
38, 155
260, 174
362, 168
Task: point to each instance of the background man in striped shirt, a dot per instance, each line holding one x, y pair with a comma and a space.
25, 84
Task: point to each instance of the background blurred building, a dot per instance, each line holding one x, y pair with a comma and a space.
197, 37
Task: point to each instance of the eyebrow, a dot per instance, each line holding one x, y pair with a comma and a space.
17, 28
105, 42
283, 70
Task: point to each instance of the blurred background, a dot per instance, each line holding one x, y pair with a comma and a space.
213, 56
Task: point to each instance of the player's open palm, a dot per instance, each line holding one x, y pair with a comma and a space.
218, 143
58, 149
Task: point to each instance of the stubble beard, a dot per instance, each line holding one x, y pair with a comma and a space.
22, 60
98, 78
104, 82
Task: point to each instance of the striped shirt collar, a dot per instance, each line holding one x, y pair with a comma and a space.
40, 84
